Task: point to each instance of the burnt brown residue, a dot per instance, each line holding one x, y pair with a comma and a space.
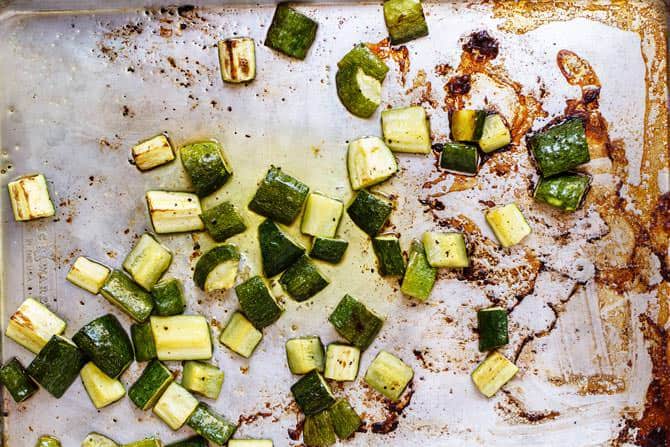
518, 410
394, 409
296, 433
482, 46
400, 55
251, 418
459, 85
660, 233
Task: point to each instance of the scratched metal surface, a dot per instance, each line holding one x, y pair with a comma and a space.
79, 88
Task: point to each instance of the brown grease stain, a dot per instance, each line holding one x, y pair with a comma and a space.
400, 55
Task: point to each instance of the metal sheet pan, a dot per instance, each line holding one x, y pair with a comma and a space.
81, 82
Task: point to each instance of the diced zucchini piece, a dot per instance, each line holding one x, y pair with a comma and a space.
355, 322
303, 279
407, 130
405, 20
312, 393
97, 440
143, 341
151, 385
492, 328
193, 441
211, 425
106, 343
369, 212
278, 250
560, 148
291, 32
30, 198
369, 161
153, 152
495, 134
88, 275
202, 378
33, 325
217, 269
174, 212
47, 441
168, 297
257, 302
147, 261
563, 191
329, 250
182, 337
279, 196
460, 158
322, 215
345, 420
359, 93
128, 296
342, 362
57, 365
237, 57
419, 276
102, 389
240, 335
175, 406
305, 354
223, 221
318, 430
205, 165
467, 125
446, 249
361, 56
389, 255
508, 224
389, 375
16, 380
148, 442
250, 443
493, 373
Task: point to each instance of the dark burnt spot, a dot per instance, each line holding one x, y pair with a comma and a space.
172, 62
432, 204
395, 410
251, 418
482, 46
437, 147
296, 433
590, 94
186, 10
459, 85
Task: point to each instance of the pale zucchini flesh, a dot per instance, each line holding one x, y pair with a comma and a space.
222, 277
369, 162
407, 130
174, 212
33, 325
322, 215
495, 134
240, 335
342, 362
87, 274
153, 152
97, 440
237, 57
175, 406
102, 389
181, 337
305, 354
508, 224
30, 198
446, 250
493, 373
202, 378
147, 261
389, 375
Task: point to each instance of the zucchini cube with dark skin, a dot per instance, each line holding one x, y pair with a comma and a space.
206, 166
278, 250
345, 419
492, 328
563, 191
355, 322
149, 387
560, 148
312, 393
460, 158
279, 196
217, 268
361, 56
291, 32
369, 212
223, 221
211, 425
168, 297
107, 344
389, 255
193, 441
329, 250
57, 365
257, 302
202, 378
405, 20
143, 341
303, 280
16, 380
318, 430
123, 292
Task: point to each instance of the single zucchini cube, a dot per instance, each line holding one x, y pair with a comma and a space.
205, 165
257, 302
279, 196
98, 440
151, 385
493, 373
147, 442
240, 335
217, 269
47, 441
560, 148
446, 250
303, 280
369, 212
389, 255
508, 224
57, 365
223, 221
155, 151
175, 406
291, 33
345, 420
193, 441
407, 130
359, 93
563, 191
33, 325
30, 198
174, 212
369, 162
237, 57
102, 389
322, 215
318, 430
17, 381
182, 337
460, 158
250, 443
329, 250
405, 20
106, 343
143, 341
467, 125
128, 296
168, 297
355, 322
389, 375
305, 354
278, 250
492, 328
211, 425
361, 56
419, 276
202, 378
495, 134
87, 274
147, 261
312, 393
342, 362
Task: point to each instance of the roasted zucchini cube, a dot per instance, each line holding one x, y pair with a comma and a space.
217, 269
389, 255
240, 335
257, 302
143, 341
181, 337
237, 57
57, 365
342, 362
361, 56
419, 276
322, 215
278, 250
305, 354
369, 212
155, 151
460, 158
33, 325
48, 441
389, 375
223, 221
212, 426
318, 430
345, 420
16, 380
107, 344
291, 32
493, 373
168, 295
495, 134
174, 212
98, 440
123, 292
102, 389
147, 261
508, 224
312, 393
147, 442
355, 322
405, 20
359, 93
492, 328
560, 148
303, 280
329, 250
87, 274
279, 196
563, 191
407, 130
446, 249
467, 125
202, 378
193, 441
206, 166
369, 161
151, 385
30, 198
175, 406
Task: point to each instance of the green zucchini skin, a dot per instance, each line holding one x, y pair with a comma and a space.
143, 341
48, 441
149, 387
405, 20
345, 419
389, 256
318, 430
16, 380
57, 365
303, 280
369, 212
361, 56
492, 328
193, 441
168, 297
279, 196
355, 322
350, 92
257, 302
563, 191
278, 251
223, 221
560, 148
211, 425
107, 344
211, 259
205, 165
128, 296
329, 250
312, 393
419, 276
291, 33
460, 158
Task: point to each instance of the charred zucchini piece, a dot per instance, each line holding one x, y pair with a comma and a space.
495, 134
359, 93
155, 151
389, 255
369, 212
291, 32
57, 365
128, 296
318, 430
419, 276
467, 125
33, 325
563, 191
174, 212
168, 297
407, 130
240, 335
312, 393
202, 378
389, 375
329, 250
217, 269
211, 425
492, 328
278, 250
30, 198
143, 341
87, 274
322, 215
147, 261
303, 279
223, 221
206, 166
446, 249
459, 158
493, 373
560, 148
257, 302
182, 337
369, 161
175, 406
151, 385
237, 56
405, 20
279, 196
508, 224
305, 354
16, 380
345, 419
355, 322
102, 389
342, 362
361, 56
106, 343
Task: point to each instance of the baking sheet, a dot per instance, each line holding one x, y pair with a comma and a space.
79, 88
